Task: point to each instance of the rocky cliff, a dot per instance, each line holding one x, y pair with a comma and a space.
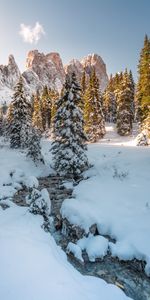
88, 63
47, 70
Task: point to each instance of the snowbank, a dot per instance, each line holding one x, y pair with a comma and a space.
116, 198
34, 267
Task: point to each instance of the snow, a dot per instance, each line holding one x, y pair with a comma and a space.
95, 246
75, 250
32, 182
5, 95
34, 267
112, 138
116, 196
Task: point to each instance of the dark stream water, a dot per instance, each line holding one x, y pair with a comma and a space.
127, 275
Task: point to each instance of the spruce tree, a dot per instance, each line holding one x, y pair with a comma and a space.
109, 102
83, 89
132, 94
93, 112
34, 149
1, 122
143, 87
9, 117
69, 147
54, 95
20, 122
46, 103
124, 112
37, 113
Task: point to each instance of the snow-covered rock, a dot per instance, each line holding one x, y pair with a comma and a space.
75, 250
31, 182
95, 246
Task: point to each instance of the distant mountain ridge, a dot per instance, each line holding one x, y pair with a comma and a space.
47, 69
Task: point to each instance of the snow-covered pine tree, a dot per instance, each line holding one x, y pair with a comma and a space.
69, 147
109, 101
1, 121
83, 85
46, 104
143, 87
132, 94
37, 112
34, 149
124, 112
54, 97
20, 122
93, 112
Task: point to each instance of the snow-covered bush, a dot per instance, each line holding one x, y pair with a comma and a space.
142, 139
40, 202
119, 174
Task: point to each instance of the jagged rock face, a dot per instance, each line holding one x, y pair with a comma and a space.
88, 63
96, 62
76, 67
9, 76
48, 68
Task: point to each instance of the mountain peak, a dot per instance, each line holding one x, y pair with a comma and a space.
47, 69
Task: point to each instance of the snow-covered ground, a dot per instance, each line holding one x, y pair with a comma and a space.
116, 197
32, 266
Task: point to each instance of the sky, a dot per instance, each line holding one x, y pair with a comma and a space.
114, 29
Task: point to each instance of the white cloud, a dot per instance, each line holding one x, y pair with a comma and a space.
31, 34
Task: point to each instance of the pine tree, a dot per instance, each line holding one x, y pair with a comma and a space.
93, 113
46, 108
132, 94
34, 149
143, 86
69, 147
1, 122
54, 97
20, 122
9, 117
83, 89
124, 112
109, 102
37, 114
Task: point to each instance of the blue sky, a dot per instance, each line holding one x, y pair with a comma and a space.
114, 29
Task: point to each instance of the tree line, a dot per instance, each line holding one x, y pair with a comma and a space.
78, 114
